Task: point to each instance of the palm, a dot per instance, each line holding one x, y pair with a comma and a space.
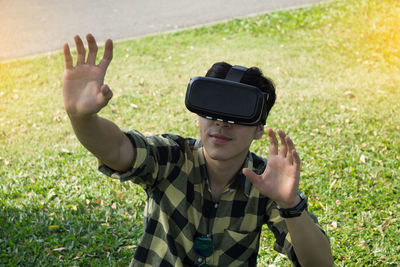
82, 84
280, 179
81, 88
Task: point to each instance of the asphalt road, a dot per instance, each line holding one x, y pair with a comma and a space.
33, 27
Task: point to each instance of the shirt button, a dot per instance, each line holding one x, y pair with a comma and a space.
216, 205
199, 259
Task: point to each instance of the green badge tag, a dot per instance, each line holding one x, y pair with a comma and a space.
204, 246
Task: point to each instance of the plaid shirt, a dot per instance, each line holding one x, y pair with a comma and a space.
180, 207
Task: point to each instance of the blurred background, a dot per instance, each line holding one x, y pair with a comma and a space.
30, 27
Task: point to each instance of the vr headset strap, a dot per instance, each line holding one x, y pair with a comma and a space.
236, 73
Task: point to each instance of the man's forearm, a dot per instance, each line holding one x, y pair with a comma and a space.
310, 244
105, 140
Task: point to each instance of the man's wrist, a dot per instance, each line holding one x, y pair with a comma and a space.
294, 203
295, 211
81, 117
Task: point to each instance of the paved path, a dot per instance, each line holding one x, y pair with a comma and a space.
31, 27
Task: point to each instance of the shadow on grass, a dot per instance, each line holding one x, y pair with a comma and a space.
85, 235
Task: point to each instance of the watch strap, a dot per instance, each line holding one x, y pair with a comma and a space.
295, 211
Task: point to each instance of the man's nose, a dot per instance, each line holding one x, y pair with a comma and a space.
223, 124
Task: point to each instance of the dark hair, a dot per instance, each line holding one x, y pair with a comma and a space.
253, 76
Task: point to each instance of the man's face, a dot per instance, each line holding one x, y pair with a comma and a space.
223, 141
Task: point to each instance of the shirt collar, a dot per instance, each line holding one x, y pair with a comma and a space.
241, 182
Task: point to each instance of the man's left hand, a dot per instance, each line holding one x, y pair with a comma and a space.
280, 180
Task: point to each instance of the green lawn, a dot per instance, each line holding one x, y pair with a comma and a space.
336, 68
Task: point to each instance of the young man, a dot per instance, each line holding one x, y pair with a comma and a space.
207, 198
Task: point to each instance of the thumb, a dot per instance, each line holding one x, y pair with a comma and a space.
105, 95
252, 176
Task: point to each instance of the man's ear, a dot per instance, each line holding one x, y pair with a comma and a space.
197, 122
259, 132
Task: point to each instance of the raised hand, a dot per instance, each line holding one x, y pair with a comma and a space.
84, 90
280, 180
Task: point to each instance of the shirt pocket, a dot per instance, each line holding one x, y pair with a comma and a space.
239, 248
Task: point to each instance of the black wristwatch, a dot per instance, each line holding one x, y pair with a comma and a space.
295, 211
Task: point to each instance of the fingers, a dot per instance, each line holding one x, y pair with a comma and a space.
273, 142
284, 147
80, 48
287, 149
296, 159
68, 57
108, 55
292, 156
290, 148
91, 59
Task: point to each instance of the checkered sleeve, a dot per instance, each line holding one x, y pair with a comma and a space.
278, 226
155, 156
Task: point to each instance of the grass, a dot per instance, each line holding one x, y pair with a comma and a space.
336, 67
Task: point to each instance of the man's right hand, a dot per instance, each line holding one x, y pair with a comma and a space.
84, 90
85, 94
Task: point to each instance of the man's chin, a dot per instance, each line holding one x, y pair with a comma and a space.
218, 156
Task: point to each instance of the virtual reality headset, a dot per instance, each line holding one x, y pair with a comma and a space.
227, 99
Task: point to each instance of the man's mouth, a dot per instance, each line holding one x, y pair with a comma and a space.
220, 138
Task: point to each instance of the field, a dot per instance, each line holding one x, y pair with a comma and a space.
336, 66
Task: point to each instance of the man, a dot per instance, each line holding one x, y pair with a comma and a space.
207, 198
